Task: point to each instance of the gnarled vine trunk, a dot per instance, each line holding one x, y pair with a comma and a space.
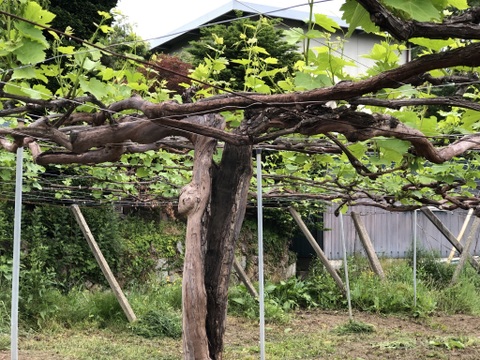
214, 203
228, 203
193, 203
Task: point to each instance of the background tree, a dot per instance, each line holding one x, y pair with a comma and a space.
242, 40
80, 16
122, 40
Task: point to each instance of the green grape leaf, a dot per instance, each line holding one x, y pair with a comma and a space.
357, 17
270, 61
286, 85
31, 32
241, 61
89, 64
433, 44
36, 14
66, 49
27, 72
94, 87
107, 74
357, 149
294, 35
418, 10
142, 172
470, 120
393, 149
459, 4
7, 47
31, 52
310, 82
314, 34
42, 92
38, 92
327, 23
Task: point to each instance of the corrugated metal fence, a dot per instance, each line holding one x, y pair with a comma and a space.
392, 232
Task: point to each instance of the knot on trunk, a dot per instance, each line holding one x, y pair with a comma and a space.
188, 200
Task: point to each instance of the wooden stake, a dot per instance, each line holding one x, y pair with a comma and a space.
103, 264
243, 276
367, 245
321, 255
466, 250
450, 237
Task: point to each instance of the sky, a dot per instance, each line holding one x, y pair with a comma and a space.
155, 18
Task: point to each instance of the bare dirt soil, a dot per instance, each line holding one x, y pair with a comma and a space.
436, 337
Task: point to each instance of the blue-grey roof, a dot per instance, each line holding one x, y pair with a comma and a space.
247, 7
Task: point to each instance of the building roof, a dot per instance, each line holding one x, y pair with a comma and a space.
226, 13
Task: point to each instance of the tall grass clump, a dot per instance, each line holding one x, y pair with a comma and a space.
393, 295
430, 270
157, 304
463, 296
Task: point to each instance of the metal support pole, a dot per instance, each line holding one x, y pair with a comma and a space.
347, 282
415, 258
16, 255
260, 254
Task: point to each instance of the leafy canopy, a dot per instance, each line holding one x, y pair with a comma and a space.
359, 147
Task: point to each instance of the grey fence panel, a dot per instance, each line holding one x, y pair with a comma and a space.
392, 232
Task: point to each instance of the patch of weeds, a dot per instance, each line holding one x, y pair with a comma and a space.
4, 316
155, 294
295, 347
394, 295
354, 327
462, 297
430, 270
452, 343
397, 344
241, 303
159, 323
4, 342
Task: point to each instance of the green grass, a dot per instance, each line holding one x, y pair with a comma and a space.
311, 335
91, 325
102, 345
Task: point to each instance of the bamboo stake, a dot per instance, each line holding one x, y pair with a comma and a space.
466, 250
460, 235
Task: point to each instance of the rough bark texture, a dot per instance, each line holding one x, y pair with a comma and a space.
228, 203
194, 203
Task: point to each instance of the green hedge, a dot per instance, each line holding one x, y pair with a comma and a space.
52, 243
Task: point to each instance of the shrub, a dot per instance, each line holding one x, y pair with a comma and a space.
241, 303
130, 245
393, 295
144, 242
323, 288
